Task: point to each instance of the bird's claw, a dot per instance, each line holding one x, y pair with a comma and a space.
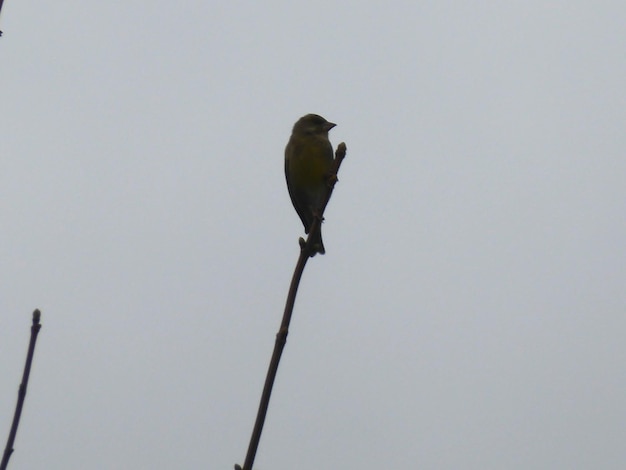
331, 180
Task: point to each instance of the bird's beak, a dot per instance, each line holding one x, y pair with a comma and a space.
329, 125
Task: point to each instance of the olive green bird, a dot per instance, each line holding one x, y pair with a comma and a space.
308, 163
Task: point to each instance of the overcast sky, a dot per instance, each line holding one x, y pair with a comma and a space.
470, 312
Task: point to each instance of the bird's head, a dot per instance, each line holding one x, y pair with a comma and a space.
312, 124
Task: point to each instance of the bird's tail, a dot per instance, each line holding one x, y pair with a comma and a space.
318, 245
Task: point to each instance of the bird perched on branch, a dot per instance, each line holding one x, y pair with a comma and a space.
308, 163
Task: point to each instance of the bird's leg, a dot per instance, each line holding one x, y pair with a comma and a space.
331, 179
317, 214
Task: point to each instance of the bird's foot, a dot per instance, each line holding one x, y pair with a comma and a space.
318, 215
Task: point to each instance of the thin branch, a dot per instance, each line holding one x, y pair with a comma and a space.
21, 394
1, 2
306, 250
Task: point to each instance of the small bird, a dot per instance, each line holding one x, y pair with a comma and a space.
308, 163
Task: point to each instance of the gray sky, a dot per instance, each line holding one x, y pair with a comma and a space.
469, 312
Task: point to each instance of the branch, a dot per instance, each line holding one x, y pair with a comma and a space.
306, 249
1, 2
21, 394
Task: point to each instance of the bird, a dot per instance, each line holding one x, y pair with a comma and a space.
308, 163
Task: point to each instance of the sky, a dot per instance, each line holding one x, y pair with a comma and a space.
469, 312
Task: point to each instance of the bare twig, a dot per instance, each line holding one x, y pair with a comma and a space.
306, 249
21, 394
1, 2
